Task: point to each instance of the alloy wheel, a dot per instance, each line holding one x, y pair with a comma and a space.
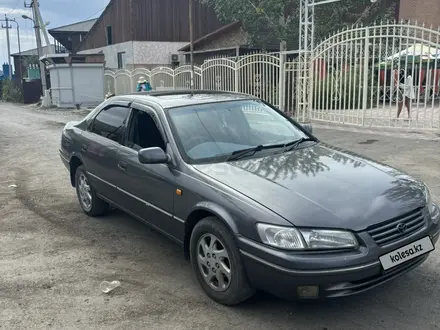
214, 262
85, 192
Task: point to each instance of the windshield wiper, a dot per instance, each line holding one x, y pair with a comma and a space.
244, 152
238, 154
295, 144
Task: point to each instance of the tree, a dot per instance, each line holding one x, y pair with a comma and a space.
268, 20
264, 21
28, 60
346, 13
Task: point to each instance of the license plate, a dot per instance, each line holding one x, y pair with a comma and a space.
406, 253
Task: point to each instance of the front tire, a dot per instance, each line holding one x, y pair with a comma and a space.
217, 263
90, 203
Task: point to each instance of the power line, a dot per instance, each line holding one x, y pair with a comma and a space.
15, 7
90, 17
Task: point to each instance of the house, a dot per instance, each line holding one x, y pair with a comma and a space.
133, 34
228, 41
68, 37
422, 11
23, 59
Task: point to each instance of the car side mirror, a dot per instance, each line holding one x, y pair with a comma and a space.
308, 128
154, 155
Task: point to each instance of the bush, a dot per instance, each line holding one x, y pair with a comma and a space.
12, 91
345, 95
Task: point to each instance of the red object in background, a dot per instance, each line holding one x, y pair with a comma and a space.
421, 80
320, 67
382, 77
436, 79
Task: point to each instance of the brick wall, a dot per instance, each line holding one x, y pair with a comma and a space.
422, 11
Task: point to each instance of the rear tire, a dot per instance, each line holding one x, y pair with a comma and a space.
90, 203
217, 263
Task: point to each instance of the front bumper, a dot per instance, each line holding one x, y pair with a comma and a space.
283, 273
64, 159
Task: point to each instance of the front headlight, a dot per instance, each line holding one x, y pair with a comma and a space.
433, 210
306, 239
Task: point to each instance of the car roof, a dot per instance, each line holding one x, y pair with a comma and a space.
179, 98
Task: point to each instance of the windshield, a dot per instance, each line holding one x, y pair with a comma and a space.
212, 132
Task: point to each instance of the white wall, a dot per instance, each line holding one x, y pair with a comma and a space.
111, 53
77, 84
138, 53
155, 52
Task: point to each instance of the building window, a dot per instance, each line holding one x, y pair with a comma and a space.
121, 60
109, 35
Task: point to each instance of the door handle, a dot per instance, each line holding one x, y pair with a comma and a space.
83, 148
122, 166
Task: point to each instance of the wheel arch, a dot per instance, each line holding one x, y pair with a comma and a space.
74, 163
201, 211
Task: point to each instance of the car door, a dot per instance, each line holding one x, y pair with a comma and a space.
99, 150
149, 189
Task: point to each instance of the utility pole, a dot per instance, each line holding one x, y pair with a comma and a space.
7, 27
18, 37
19, 52
37, 25
42, 25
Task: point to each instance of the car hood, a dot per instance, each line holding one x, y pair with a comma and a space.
322, 186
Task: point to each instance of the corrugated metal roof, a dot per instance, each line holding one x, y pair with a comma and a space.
83, 26
33, 52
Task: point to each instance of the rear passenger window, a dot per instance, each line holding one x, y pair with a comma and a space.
110, 122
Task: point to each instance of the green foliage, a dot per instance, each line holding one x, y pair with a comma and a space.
264, 21
336, 16
28, 60
341, 90
269, 20
12, 91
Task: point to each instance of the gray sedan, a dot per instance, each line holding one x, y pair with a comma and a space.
256, 201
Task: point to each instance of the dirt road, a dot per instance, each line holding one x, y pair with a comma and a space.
53, 258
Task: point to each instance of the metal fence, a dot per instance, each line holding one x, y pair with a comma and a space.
366, 75
360, 76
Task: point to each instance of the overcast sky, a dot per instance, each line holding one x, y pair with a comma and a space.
57, 12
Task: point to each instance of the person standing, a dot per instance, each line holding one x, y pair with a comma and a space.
405, 92
143, 85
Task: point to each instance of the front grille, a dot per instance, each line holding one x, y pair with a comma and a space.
388, 232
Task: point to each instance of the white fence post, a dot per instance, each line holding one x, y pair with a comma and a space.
282, 82
365, 70
237, 78
133, 84
201, 79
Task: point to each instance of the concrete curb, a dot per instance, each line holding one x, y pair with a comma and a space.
431, 135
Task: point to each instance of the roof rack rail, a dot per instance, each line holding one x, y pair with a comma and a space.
182, 92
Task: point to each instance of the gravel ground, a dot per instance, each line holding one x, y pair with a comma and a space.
53, 257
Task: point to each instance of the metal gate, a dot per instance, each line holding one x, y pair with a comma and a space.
365, 75
256, 74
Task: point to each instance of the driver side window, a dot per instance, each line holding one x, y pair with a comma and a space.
144, 131
110, 123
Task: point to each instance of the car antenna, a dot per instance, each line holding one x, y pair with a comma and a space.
191, 42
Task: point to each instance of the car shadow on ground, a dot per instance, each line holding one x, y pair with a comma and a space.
386, 294
149, 264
